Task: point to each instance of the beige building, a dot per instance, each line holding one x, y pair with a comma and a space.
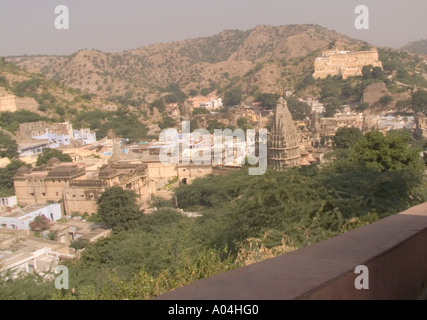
329, 126
344, 63
82, 194
7, 103
45, 183
77, 189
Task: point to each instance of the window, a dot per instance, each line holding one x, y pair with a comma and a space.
57, 194
32, 194
43, 194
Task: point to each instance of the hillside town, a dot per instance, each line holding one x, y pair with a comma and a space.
280, 158
66, 193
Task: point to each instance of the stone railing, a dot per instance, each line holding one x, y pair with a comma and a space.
385, 260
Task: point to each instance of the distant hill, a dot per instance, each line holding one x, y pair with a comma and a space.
418, 47
262, 60
258, 57
36, 93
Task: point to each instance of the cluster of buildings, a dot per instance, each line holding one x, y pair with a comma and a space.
34, 136
210, 103
22, 251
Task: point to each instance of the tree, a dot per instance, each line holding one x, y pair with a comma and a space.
167, 123
48, 153
6, 177
419, 101
299, 110
347, 137
243, 124
267, 100
40, 223
193, 92
386, 99
118, 208
385, 153
233, 97
331, 105
200, 111
366, 72
8, 146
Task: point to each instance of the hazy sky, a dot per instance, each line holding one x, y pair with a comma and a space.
27, 26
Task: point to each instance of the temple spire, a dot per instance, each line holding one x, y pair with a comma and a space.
284, 139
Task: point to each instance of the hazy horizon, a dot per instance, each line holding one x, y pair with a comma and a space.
27, 27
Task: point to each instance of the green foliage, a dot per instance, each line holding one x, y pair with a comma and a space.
159, 202
205, 91
419, 101
118, 208
95, 218
233, 97
214, 49
6, 177
267, 100
3, 82
167, 123
10, 120
331, 106
8, 146
346, 137
385, 153
27, 87
384, 100
299, 110
159, 104
78, 244
243, 123
193, 92
25, 287
370, 72
175, 94
215, 124
48, 153
124, 124
200, 111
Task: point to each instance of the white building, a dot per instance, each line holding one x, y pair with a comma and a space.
55, 140
8, 201
211, 103
32, 148
85, 136
21, 218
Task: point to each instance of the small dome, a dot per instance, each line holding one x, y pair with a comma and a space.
53, 161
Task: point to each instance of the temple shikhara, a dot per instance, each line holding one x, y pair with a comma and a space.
284, 142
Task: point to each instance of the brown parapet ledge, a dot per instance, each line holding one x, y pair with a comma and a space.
394, 250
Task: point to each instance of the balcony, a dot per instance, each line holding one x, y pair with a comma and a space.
394, 250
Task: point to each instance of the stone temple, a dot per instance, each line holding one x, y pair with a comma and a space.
283, 143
